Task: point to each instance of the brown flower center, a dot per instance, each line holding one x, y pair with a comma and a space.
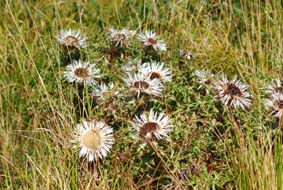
141, 85
120, 37
149, 128
278, 89
280, 104
232, 90
152, 41
81, 72
72, 41
155, 75
207, 82
91, 139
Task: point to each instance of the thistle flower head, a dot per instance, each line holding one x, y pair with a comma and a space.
95, 139
138, 83
104, 92
275, 105
120, 38
156, 70
151, 39
152, 126
275, 87
233, 93
81, 72
71, 39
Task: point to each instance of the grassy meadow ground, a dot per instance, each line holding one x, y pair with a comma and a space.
39, 109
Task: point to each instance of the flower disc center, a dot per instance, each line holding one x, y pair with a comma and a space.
81, 72
72, 41
233, 90
278, 89
207, 82
152, 41
149, 128
120, 37
91, 139
141, 85
280, 104
155, 75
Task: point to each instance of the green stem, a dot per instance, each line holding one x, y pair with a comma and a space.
167, 169
280, 123
237, 128
139, 104
88, 101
